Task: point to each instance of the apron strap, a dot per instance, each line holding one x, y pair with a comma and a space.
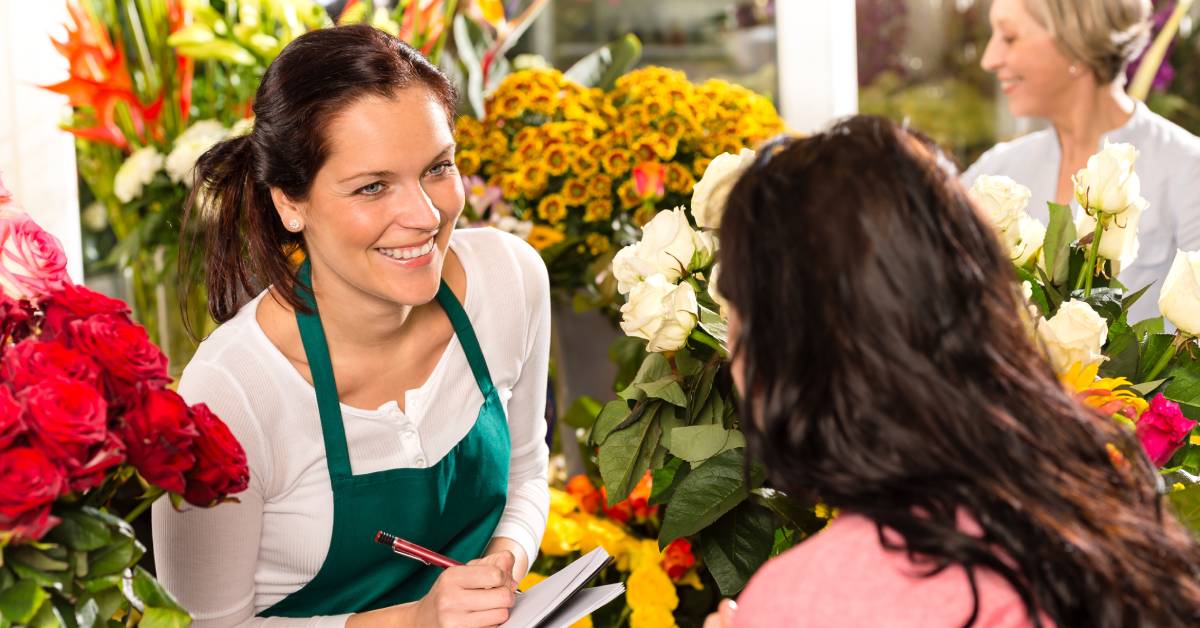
316, 348
466, 336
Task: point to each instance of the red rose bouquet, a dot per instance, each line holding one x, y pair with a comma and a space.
86, 417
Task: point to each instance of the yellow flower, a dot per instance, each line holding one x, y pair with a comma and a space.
597, 243
529, 150
562, 533
585, 165
527, 134
586, 622
679, 179
575, 191
603, 533
673, 128
651, 617
557, 159
552, 208
700, 165
494, 146
628, 194
650, 587
531, 580
600, 186
511, 186
542, 102
1103, 393
598, 210
652, 147
617, 162
533, 177
468, 162
644, 215
562, 502
541, 238
468, 127
509, 104
692, 579
647, 554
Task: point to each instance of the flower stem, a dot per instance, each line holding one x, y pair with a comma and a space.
709, 341
1167, 355
1090, 263
149, 499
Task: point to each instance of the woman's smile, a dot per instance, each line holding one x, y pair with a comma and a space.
411, 256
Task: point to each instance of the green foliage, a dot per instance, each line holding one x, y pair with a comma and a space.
606, 64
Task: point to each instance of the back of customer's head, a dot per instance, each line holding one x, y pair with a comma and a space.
893, 376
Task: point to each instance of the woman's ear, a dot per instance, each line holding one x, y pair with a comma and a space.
291, 213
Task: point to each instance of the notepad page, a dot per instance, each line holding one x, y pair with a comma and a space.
583, 603
539, 601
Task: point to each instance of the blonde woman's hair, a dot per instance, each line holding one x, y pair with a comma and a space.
1104, 35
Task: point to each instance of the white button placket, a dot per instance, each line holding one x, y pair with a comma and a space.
411, 439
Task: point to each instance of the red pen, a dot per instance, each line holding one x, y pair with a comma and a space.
414, 551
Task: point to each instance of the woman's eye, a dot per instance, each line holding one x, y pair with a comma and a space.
371, 189
442, 168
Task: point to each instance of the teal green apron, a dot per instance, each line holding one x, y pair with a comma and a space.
452, 507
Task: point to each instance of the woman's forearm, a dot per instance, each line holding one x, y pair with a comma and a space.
390, 617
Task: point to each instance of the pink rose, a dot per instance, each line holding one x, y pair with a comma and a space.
32, 262
1162, 429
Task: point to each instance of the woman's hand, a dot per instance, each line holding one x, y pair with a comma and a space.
723, 618
476, 595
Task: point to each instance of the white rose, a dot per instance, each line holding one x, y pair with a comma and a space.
1180, 298
706, 250
241, 127
1003, 201
629, 269
137, 171
1119, 240
668, 244
714, 291
1109, 184
1073, 336
711, 192
190, 144
1031, 234
660, 312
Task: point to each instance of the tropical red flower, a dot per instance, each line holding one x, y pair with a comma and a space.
589, 497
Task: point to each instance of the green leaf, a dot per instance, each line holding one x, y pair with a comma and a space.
670, 418
665, 479
1057, 245
627, 353
1186, 504
1149, 326
583, 412
37, 559
1038, 293
1144, 389
654, 368
87, 613
1105, 301
714, 324
151, 593
1153, 348
667, 389
80, 530
602, 67
1053, 297
611, 415
709, 491
737, 545
713, 411
47, 617
22, 601
165, 618
469, 44
107, 602
114, 558
687, 364
792, 513
701, 392
625, 454
1122, 351
700, 442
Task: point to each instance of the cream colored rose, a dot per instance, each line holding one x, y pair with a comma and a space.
661, 313
1003, 201
1179, 301
137, 171
629, 269
1109, 184
667, 247
1073, 336
706, 250
711, 192
190, 144
1119, 240
1031, 234
714, 290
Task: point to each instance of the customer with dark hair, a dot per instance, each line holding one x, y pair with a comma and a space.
886, 367
439, 339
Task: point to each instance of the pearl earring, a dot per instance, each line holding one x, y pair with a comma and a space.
293, 225
1074, 69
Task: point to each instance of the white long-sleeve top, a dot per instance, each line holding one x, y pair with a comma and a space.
228, 563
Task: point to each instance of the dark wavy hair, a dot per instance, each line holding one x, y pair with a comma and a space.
889, 371
230, 218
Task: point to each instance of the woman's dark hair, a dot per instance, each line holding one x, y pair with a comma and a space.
245, 248
889, 372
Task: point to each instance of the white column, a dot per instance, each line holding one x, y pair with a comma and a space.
818, 61
36, 157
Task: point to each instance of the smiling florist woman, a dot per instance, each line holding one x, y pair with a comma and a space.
395, 380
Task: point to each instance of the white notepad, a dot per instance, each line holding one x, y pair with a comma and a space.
561, 600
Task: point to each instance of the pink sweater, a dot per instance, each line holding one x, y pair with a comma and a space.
844, 577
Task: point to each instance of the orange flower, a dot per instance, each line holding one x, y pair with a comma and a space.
637, 505
650, 180
678, 558
589, 497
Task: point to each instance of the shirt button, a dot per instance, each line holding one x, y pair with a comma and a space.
420, 461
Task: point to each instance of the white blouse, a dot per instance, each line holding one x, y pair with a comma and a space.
1169, 169
227, 563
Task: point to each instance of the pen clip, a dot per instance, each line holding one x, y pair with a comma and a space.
410, 555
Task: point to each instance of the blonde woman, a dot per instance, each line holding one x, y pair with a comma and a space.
1064, 61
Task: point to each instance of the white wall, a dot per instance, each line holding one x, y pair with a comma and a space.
818, 63
37, 159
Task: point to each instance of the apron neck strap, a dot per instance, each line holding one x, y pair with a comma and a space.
466, 337
316, 349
